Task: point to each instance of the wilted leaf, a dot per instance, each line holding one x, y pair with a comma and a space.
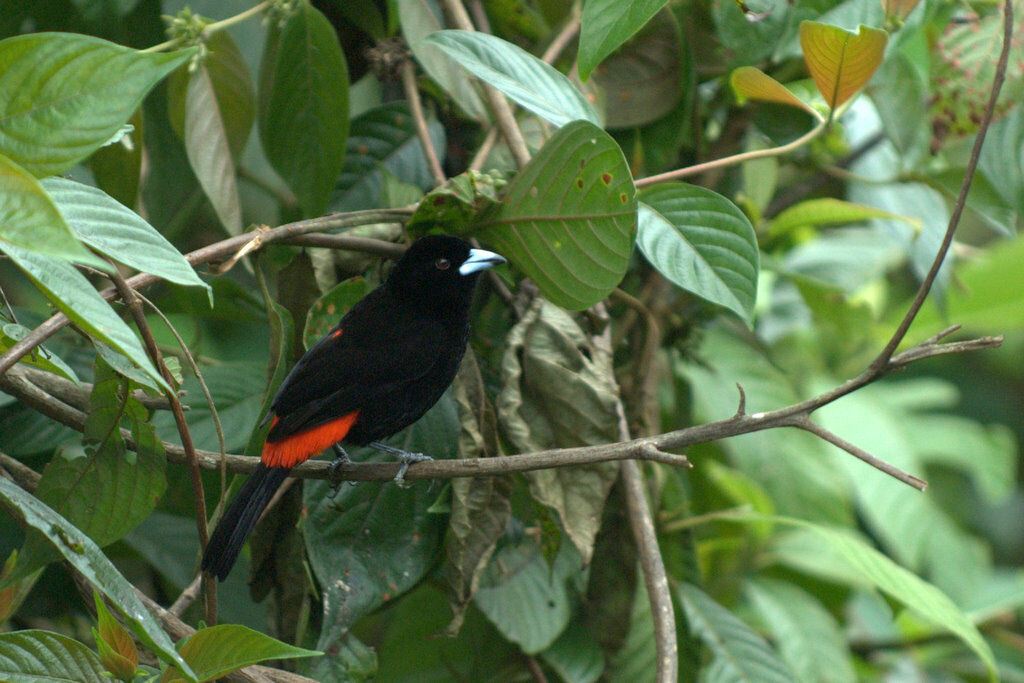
454, 205
557, 391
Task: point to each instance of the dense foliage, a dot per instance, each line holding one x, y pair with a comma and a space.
189, 202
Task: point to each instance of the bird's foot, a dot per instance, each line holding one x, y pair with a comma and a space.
404, 457
337, 465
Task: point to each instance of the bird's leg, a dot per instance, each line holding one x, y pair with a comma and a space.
341, 459
405, 457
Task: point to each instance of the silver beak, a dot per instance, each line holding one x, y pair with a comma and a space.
480, 259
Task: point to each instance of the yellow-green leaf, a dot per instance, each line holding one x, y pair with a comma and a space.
840, 62
751, 83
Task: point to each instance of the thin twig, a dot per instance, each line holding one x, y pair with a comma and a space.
641, 522
808, 425
885, 355
134, 305
187, 596
564, 37
499, 106
736, 158
412, 96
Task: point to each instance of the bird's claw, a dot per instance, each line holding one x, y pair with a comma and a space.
335, 471
406, 459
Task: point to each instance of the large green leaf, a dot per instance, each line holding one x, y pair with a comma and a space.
209, 150
380, 537
78, 299
115, 230
216, 651
63, 95
303, 105
32, 656
702, 242
806, 634
803, 482
522, 77
525, 598
606, 25
383, 139
569, 218
838, 555
86, 557
29, 219
100, 487
740, 653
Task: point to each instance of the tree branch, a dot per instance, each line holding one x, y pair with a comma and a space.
412, 95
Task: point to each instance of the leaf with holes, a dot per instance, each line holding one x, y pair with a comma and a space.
702, 242
840, 62
525, 79
749, 82
63, 95
569, 218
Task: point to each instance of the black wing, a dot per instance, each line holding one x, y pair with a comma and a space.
353, 364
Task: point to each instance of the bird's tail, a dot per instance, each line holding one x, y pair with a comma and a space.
239, 519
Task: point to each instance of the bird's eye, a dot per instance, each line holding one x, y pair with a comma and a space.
442, 264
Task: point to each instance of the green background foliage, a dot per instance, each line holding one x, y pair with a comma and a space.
820, 147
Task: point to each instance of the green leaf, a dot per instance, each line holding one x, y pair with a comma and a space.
638, 655
209, 153
100, 487
703, 243
807, 636
379, 536
455, 205
569, 217
383, 139
515, 72
328, 309
575, 655
831, 549
749, 82
232, 88
78, 299
303, 104
740, 653
830, 211
40, 358
120, 233
420, 18
216, 651
86, 557
558, 391
526, 599
237, 388
30, 220
117, 648
805, 483
63, 95
841, 62
607, 24
32, 656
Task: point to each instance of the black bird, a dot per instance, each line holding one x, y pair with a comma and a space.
385, 363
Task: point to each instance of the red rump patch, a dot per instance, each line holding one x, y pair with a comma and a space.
291, 450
